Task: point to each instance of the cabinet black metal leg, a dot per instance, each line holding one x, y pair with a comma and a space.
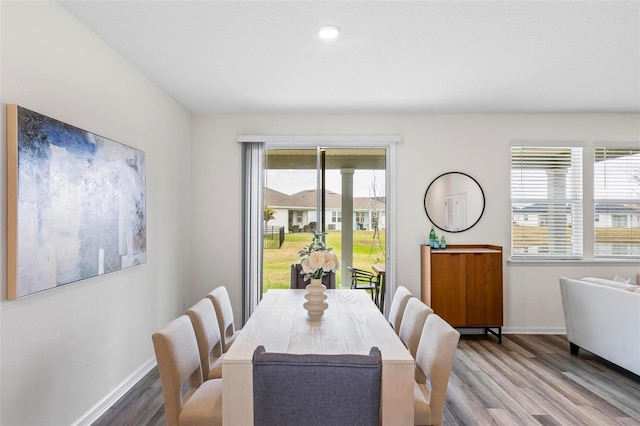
488, 330
498, 334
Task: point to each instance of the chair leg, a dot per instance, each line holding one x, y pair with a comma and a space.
379, 294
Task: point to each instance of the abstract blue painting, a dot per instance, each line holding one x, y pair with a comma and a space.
76, 204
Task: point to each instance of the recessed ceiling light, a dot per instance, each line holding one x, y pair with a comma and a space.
329, 32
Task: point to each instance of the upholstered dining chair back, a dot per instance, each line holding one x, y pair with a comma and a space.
398, 305
434, 361
316, 389
413, 318
224, 313
205, 325
298, 282
187, 399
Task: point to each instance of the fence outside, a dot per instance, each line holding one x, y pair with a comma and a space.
273, 237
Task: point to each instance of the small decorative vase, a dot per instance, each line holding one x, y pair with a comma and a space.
315, 304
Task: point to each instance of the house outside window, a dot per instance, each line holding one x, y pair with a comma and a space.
336, 217
360, 218
619, 221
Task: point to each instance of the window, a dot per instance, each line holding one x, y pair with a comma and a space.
336, 217
546, 201
616, 187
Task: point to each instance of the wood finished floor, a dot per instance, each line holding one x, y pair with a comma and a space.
528, 380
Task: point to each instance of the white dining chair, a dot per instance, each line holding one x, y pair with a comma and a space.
434, 361
398, 305
415, 314
205, 325
224, 312
188, 401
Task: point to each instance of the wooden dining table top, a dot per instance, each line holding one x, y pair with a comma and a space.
351, 324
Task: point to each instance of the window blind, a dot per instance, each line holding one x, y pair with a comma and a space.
546, 202
253, 226
616, 175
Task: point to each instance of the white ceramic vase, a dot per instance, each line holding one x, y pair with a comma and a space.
315, 304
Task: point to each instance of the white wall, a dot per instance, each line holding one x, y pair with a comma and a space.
64, 350
431, 145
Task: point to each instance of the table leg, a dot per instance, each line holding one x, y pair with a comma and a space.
237, 394
397, 394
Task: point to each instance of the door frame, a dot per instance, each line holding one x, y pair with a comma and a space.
388, 142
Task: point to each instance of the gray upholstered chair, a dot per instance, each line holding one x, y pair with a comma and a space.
298, 282
413, 320
398, 305
178, 363
434, 361
205, 324
224, 313
316, 390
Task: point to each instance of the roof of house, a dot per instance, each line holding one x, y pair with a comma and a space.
307, 199
616, 208
275, 198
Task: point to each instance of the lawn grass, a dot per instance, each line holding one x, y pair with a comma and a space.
276, 268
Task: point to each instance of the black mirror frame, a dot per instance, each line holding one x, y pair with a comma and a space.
484, 202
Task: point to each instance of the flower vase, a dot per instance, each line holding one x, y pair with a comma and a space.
315, 304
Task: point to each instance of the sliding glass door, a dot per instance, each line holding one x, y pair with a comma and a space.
293, 186
339, 192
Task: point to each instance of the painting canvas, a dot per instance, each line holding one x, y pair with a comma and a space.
76, 204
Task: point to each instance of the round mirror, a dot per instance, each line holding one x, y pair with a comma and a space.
454, 202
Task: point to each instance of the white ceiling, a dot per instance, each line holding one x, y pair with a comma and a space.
392, 56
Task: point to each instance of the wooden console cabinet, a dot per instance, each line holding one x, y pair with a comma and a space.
463, 284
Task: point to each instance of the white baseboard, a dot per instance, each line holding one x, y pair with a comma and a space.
517, 330
534, 330
105, 403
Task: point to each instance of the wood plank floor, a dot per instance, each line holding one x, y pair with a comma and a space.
528, 380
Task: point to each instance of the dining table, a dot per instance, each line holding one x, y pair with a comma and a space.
351, 324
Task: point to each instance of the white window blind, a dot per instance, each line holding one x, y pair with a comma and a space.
616, 185
546, 202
